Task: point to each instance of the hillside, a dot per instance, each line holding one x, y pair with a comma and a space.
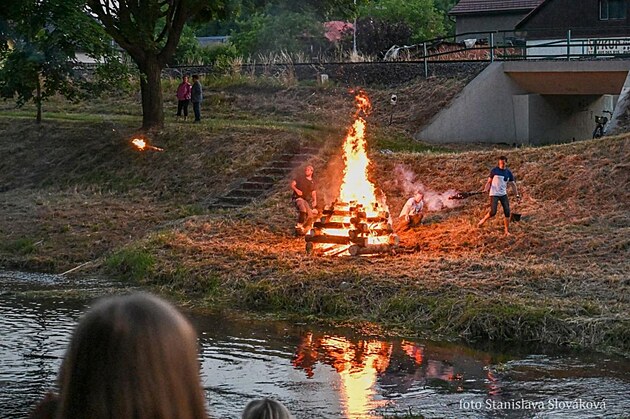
74, 190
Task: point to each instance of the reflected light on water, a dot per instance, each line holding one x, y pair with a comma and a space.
358, 365
317, 373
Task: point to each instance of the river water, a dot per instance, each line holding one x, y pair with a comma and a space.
317, 372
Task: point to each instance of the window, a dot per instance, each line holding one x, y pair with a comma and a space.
612, 9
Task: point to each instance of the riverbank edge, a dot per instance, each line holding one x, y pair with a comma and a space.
387, 306
427, 308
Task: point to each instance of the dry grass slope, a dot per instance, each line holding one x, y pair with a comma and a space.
75, 191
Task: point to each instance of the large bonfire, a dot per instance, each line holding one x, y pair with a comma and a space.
358, 222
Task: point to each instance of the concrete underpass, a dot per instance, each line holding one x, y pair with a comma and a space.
533, 102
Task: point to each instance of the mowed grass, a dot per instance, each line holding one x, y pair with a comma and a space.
75, 190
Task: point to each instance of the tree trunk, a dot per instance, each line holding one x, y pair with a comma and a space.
151, 89
38, 99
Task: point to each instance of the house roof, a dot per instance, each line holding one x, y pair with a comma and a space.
493, 6
530, 14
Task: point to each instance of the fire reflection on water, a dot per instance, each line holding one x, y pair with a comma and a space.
364, 365
358, 365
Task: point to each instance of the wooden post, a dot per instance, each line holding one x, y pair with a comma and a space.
426, 64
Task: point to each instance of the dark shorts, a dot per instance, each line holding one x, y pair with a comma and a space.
505, 203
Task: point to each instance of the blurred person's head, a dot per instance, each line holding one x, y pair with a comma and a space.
132, 357
266, 409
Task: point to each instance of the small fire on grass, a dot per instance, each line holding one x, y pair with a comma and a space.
358, 222
142, 145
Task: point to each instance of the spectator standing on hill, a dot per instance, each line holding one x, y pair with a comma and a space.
196, 97
266, 409
412, 212
130, 357
184, 91
304, 190
498, 181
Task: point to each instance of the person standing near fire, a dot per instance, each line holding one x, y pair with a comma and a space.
196, 96
184, 91
304, 190
412, 212
498, 181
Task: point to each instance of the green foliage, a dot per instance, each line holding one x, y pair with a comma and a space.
290, 32
131, 263
221, 57
375, 36
150, 33
419, 15
444, 6
322, 9
40, 41
22, 246
188, 50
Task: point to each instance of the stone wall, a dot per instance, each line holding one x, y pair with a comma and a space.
352, 74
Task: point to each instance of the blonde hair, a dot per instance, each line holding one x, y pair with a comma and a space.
266, 409
132, 357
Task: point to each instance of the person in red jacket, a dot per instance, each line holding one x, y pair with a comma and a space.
183, 97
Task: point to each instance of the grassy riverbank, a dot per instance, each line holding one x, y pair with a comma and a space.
74, 191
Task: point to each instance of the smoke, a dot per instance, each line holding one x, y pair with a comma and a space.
433, 200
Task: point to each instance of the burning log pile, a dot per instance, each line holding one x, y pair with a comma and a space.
358, 221
350, 228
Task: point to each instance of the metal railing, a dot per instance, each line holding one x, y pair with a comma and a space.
511, 45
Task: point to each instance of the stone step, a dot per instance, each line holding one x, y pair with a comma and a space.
281, 165
301, 157
274, 171
308, 150
263, 179
244, 193
235, 200
224, 206
257, 185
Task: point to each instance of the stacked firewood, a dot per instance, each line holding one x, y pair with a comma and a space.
352, 229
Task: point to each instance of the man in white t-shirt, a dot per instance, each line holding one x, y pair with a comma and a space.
498, 181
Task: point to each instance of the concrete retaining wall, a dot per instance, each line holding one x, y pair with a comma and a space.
494, 108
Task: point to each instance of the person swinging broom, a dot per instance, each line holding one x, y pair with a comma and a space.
498, 181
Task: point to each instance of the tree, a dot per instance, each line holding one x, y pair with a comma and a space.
288, 32
445, 6
39, 40
377, 35
150, 31
419, 15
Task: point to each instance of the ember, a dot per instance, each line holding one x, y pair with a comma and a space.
142, 145
358, 222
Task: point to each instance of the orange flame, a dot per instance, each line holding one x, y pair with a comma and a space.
142, 145
358, 221
356, 187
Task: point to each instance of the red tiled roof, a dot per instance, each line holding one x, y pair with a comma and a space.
481, 6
